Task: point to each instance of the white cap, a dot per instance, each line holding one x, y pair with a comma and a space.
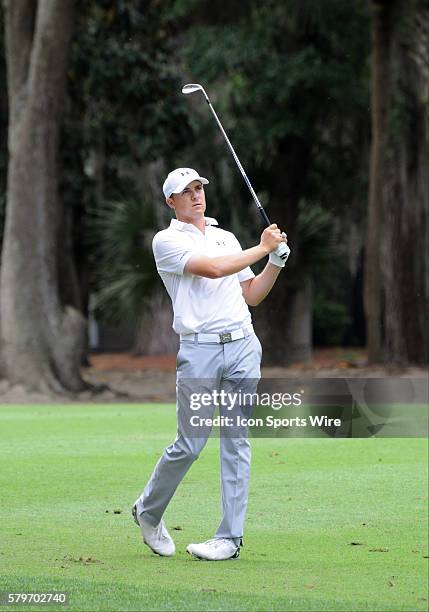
177, 180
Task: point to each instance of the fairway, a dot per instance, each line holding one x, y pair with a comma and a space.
332, 524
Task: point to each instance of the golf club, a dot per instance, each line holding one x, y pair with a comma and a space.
282, 250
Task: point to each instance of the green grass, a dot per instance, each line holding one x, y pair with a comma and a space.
64, 470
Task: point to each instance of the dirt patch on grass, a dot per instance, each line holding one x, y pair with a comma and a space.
124, 377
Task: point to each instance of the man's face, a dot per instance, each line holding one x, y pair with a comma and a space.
190, 204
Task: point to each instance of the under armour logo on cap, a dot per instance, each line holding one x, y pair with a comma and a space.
178, 179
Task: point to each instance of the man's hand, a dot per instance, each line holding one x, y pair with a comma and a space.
275, 259
271, 238
278, 261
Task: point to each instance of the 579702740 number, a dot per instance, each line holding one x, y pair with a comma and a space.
54, 597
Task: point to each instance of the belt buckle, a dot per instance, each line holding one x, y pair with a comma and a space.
225, 337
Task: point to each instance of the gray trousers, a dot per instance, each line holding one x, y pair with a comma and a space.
234, 367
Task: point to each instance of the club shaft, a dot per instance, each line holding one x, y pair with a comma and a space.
240, 167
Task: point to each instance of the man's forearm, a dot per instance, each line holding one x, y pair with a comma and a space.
259, 287
217, 267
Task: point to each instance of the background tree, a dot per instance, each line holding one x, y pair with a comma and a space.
397, 234
406, 186
41, 338
3, 130
382, 15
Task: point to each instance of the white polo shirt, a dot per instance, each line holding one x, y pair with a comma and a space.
200, 305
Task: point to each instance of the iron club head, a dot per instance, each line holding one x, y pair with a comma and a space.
192, 88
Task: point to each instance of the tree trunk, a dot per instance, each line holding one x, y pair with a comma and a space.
41, 340
291, 320
155, 336
279, 320
406, 261
382, 11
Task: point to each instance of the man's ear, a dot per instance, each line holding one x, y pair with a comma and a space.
169, 202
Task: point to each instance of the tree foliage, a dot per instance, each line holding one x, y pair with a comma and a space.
120, 233
287, 73
122, 84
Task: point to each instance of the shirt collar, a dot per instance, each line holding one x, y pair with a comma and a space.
182, 226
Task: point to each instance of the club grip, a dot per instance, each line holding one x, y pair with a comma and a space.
264, 216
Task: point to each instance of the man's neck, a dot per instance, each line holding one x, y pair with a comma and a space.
200, 223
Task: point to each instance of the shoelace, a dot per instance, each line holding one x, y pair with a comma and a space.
216, 542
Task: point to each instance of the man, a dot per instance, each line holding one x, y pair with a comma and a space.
210, 283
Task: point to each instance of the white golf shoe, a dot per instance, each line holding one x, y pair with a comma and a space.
157, 538
216, 549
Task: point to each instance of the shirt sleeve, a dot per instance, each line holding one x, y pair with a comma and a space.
247, 273
172, 253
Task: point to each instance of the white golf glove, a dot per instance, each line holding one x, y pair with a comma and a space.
275, 259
